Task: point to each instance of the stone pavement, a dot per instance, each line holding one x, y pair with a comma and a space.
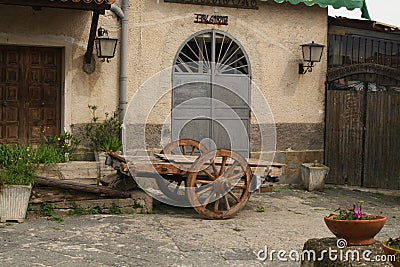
180, 237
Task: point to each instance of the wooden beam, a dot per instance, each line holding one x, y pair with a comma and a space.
58, 4
98, 189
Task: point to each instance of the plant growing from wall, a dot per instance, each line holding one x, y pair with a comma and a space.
105, 135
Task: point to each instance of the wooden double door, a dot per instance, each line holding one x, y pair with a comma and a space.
363, 133
30, 93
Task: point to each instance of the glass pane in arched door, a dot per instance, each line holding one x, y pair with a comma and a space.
211, 92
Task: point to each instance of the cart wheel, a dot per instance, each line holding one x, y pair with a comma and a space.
219, 184
188, 147
174, 186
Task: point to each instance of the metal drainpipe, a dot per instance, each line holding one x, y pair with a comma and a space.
117, 11
123, 77
122, 13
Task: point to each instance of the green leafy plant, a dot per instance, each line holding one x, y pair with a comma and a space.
46, 209
19, 162
114, 209
111, 143
260, 209
46, 154
137, 205
355, 213
17, 165
105, 135
393, 243
59, 146
77, 210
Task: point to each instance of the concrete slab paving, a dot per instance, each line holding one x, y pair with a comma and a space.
180, 237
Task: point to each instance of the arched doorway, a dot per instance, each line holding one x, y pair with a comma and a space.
211, 91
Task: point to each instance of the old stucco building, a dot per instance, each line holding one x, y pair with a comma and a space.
43, 83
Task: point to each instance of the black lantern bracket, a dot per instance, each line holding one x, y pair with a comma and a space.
303, 69
312, 53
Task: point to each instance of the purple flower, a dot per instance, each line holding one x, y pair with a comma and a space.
358, 214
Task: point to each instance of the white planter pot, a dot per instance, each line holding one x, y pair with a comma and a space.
313, 175
14, 200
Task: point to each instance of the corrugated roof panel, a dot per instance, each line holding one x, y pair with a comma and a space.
349, 4
88, 1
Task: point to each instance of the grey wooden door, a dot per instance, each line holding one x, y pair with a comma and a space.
211, 92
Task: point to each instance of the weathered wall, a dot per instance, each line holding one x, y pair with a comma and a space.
68, 29
271, 37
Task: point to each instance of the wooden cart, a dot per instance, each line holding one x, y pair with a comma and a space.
216, 183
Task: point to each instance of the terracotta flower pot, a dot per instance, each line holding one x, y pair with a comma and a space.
392, 251
356, 232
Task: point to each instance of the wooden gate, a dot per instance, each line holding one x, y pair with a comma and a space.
363, 134
30, 93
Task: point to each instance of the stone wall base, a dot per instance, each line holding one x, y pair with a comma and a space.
293, 159
139, 202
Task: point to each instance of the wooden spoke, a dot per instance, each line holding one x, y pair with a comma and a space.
231, 168
204, 182
208, 199
228, 207
184, 144
209, 174
205, 190
194, 149
216, 204
216, 173
240, 185
235, 196
223, 165
235, 176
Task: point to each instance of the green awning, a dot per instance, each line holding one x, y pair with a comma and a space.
349, 4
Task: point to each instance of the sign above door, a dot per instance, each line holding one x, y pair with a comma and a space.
211, 19
248, 4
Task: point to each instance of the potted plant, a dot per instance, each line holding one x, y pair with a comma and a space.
354, 225
17, 176
392, 247
313, 175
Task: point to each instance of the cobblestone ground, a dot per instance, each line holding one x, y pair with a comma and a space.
283, 219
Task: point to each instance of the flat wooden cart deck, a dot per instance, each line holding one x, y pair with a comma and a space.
216, 183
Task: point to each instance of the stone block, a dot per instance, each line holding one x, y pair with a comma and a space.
329, 253
294, 159
313, 176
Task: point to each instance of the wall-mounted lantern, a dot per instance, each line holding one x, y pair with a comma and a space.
312, 53
105, 45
